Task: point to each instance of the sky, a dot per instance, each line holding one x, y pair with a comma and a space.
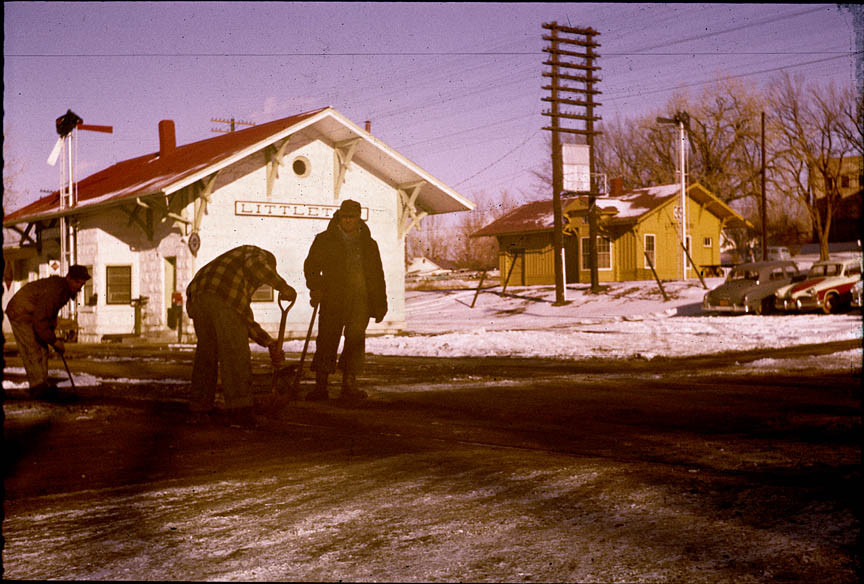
455, 87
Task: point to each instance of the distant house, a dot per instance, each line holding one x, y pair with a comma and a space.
420, 266
631, 225
846, 225
145, 226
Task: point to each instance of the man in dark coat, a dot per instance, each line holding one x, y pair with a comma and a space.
344, 274
32, 312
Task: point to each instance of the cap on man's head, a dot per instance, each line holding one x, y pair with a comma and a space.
77, 272
349, 208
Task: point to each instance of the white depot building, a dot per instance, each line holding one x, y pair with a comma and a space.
144, 226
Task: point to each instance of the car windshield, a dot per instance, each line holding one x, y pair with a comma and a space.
744, 275
819, 270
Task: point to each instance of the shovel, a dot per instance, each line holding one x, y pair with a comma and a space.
280, 340
69, 373
295, 389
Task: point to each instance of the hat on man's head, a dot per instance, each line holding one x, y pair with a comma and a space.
77, 272
349, 208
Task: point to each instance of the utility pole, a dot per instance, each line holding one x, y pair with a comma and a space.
584, 38
231, 123
764, 206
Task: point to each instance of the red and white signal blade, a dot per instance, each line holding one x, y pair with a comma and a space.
94, 128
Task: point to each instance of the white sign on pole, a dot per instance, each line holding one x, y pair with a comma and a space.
577, 167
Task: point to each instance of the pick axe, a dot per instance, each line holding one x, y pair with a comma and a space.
69, 373
295, 388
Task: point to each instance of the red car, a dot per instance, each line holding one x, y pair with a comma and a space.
828, 287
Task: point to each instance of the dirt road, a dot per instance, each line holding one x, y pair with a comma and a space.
474, 469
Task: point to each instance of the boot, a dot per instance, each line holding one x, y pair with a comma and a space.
320, 391
242, 417
44, 391
350, 391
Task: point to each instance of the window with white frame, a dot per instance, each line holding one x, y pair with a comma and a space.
87, 293
707, 242
604, 254
650, 250
118, 284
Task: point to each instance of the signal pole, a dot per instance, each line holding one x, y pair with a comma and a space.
584, 39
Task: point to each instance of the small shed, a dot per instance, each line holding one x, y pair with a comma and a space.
632, 225
421, 266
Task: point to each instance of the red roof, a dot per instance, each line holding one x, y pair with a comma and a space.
621, 211
149, 174
535, 216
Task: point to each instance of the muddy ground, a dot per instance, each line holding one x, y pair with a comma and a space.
670, 470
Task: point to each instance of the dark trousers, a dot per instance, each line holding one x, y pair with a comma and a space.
222, 351
33, 353
349, 319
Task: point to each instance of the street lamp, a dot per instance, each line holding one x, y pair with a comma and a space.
681, 119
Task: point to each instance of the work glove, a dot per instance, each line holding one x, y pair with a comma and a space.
59, 346
289, 294
276, 353
315, 297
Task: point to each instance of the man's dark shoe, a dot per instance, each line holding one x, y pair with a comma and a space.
45, 391
350, 391
354, 394
318, 394
202, 417
242, 417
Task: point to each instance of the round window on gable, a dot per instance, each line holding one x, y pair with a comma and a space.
301, 166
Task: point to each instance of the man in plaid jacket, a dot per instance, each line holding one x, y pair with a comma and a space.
218, 301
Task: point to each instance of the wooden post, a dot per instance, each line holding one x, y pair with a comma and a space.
510, 271
695, 269
480, 285
659, 283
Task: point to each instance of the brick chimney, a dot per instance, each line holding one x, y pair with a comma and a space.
616, 187
167, 138
368, 126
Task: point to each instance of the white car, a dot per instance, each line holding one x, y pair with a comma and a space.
828, 287
857, 293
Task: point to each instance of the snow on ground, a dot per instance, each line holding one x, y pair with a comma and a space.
629, 319
81, 379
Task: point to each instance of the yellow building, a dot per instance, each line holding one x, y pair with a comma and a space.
631, 225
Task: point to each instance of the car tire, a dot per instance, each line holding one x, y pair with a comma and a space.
831, 303
764, 307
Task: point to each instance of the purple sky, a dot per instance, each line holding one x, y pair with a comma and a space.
454, 87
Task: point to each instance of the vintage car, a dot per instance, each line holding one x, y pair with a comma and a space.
749, 288
857, 289
828, 286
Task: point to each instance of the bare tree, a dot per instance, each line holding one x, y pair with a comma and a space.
428, 239
817, 128
447, 238
13, 193
723, 137
480, 253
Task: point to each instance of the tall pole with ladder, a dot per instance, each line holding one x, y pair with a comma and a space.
580, 68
